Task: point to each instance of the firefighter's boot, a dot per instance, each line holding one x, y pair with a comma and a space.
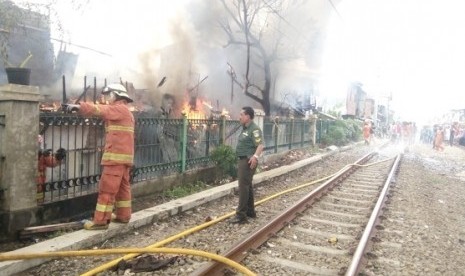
90, 225
114, 218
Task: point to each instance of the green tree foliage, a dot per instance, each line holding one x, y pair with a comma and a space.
342, 132
226, 160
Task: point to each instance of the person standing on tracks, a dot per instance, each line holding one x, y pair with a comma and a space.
117, 159
453, 133
367, 132
249, 148
439, 139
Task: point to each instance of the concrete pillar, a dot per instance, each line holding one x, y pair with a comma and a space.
313, 119
19, 112
259, 118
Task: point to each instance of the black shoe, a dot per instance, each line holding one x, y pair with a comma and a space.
252, 215
238, 220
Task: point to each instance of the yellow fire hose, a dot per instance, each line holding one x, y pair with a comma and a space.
187, 232
237, 266
207, 224
156, 248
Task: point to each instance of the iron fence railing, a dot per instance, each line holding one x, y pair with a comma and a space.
82, 138
286, 134
162, 147
2, 129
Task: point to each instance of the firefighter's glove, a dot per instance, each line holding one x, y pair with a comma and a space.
70, 107
60, 154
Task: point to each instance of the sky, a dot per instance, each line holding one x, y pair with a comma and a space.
410, 49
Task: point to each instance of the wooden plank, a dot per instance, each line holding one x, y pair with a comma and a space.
28, 231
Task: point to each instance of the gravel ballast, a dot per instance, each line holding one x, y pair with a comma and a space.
422, 233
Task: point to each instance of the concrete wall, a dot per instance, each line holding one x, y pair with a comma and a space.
19, 107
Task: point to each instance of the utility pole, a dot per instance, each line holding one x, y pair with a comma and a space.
389, 99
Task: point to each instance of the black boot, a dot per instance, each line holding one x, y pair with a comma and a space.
238, 220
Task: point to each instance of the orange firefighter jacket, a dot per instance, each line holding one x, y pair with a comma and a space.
44, 163
119, 129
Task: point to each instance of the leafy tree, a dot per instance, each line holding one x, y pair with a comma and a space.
258, 26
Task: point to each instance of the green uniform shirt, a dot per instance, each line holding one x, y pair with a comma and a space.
249, 139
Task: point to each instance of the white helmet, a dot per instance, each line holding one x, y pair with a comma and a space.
118, 89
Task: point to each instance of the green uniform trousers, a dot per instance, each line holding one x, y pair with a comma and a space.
246, 197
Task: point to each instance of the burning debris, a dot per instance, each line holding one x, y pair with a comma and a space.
193, 105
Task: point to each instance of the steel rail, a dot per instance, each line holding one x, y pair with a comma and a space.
370, 229
262, 234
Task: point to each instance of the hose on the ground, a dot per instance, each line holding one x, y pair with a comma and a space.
156, 248
187, 232
96, 252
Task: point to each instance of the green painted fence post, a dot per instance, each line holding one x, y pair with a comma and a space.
207, 138
276, 134
302, 130
222, 130
291, 138
184, 143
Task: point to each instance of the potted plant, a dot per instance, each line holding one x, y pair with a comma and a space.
18, 74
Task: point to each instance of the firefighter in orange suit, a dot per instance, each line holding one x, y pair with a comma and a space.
46, 160
117, 160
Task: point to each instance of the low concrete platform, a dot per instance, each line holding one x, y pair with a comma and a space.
85, 239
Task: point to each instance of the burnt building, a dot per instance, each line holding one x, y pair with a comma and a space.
25, 31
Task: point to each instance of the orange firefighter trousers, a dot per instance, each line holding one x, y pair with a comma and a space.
114, 193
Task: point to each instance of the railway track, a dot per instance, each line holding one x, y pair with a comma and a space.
320, 231
326, 233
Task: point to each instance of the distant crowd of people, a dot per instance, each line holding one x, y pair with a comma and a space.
403, 132
442, 134
437, 135
398, 132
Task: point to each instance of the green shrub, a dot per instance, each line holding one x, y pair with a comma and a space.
355, 130
342, 132
185, 190
225, 159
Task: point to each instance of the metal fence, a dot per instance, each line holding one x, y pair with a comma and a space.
162, 147
2, 129
286, 134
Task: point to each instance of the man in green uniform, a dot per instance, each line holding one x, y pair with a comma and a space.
249, 147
